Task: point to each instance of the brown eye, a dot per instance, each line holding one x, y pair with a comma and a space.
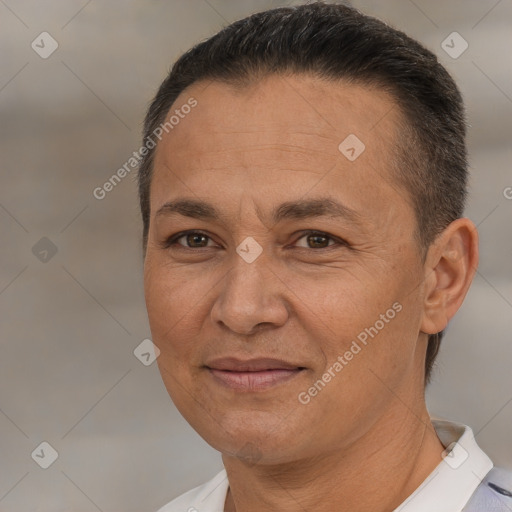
317, 240
193, 240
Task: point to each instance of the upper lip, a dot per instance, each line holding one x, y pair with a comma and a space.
250, 365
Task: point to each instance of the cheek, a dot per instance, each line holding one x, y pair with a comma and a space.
347, 303
172, 292
172, 304
374, 321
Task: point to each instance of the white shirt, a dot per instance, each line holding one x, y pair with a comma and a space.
447, 489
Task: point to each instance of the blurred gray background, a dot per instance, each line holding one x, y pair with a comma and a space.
71, 319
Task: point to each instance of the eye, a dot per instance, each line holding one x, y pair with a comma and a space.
198, 240
193, 240
319, 240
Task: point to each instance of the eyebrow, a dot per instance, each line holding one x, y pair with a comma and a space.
290, 210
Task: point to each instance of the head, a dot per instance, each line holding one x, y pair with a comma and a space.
273, 103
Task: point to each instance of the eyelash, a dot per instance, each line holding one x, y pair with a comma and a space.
172, 240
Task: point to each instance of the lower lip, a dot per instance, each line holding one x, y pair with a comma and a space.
253, 381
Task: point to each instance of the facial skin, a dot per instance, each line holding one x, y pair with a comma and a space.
304, 299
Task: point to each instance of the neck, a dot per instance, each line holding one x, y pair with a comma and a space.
376, 473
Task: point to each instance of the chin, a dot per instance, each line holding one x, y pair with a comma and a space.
254, 438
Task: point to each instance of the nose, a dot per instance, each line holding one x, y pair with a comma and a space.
251, 297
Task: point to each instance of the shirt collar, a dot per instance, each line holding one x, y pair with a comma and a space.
450, 485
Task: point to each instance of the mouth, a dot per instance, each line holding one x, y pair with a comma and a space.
254, 374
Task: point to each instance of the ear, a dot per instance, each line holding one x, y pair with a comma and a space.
450, 266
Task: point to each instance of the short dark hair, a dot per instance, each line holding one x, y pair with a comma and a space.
337, 42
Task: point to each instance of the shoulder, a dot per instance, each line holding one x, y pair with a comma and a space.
494, 494
208, 497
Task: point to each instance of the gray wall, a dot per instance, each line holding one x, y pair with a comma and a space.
69, 325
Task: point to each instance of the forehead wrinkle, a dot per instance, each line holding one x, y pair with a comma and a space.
290, 210
307, 148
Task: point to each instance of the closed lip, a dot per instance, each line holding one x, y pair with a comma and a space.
259, 364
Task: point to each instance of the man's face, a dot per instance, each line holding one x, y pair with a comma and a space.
246, 337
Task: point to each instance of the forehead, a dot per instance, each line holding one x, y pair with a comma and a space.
279, 104
296, 131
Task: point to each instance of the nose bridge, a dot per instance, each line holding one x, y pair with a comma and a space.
246, 279
249, 295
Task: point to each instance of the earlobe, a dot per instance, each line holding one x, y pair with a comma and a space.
450, 266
